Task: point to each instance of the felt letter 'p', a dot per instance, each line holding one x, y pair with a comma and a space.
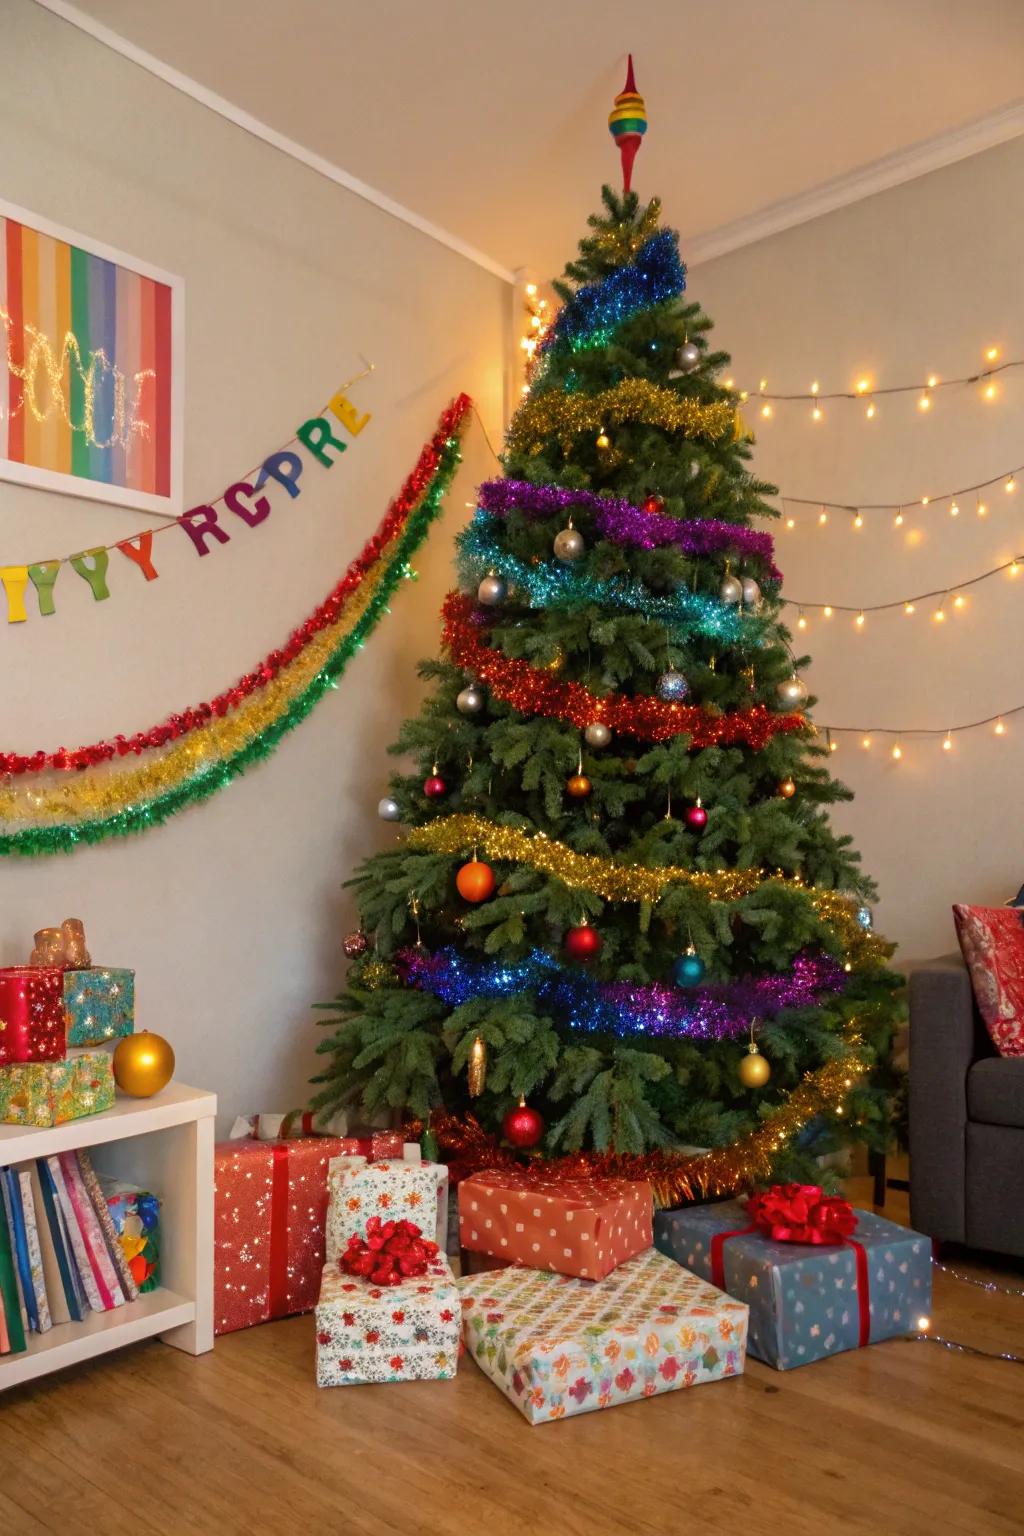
315, 434
200, 523
139, 551
43, 576
233, 498
284, 467
96, 573
15, 580
348, 415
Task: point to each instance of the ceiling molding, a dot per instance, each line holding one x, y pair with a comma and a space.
890, 171
260, 130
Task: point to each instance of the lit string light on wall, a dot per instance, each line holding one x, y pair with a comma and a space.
538, 325
950, 598
1008, 480
867, 393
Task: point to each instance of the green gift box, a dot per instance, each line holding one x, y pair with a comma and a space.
43, 1093
99, 1004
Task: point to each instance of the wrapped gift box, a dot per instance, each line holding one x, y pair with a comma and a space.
31, 1014
407, 1332
557, 1345
42, 1093
416, 1191
99, 1004
582, 1227
270, 1208
806, 1302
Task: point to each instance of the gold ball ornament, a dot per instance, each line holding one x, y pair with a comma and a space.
578, 786
787, 789
143, 1064
754, 1070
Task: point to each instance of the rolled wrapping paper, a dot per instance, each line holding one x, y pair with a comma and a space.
64, 946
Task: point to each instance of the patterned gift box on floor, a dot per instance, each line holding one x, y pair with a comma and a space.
367, 1333
582, 1227
391, 1190
270, 1208
807, 1302
31, 1014
43, 1093
99, 1004
558, 1346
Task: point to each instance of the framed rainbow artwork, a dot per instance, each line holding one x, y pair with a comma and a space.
91, 367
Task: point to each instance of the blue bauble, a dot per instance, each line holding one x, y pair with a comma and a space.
672, 687
865, 917
689, 970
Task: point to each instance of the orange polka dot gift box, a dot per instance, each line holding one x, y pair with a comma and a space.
582, 1227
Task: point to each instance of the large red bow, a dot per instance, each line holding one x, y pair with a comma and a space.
392, 1251
802, 1213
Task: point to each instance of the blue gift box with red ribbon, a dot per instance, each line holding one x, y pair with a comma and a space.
840, 1285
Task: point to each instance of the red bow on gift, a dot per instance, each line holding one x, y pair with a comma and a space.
802, 1213
392, 1251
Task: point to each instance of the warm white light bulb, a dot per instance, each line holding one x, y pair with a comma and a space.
991, 353
859, 621
982, 509
863, 385
531, 289
766, 411
924, 403
908, 607
990, 391
898, 519
823, 517
939, 615
763, 385
858, 521
801, 622
1000, 728
933, 379
1011, 485
954, 509
790, 522
815, 387
959, 600
827, 610
869, 413
897, 752
947, 745
817, 413
865, 742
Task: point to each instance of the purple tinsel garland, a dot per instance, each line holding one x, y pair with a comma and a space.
623, 523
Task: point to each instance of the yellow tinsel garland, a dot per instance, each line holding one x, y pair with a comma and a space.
634, 400
462, 833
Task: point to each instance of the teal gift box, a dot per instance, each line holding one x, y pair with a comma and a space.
806, 1302
99, 1004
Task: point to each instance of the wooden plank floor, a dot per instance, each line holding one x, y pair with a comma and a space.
904, 1438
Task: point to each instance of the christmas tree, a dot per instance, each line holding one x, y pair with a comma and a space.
617, 895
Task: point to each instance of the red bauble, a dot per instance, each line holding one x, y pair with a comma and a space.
696, 818
582, 943
434, 787
522, 1126
475, 881
653, 504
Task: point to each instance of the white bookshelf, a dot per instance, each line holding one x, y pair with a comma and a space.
164, 1144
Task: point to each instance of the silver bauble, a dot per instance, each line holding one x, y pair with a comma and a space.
694, 469
387, 809
492, 591
791, 692
470, 701
568, 545
688, 356
672, 687
731, 590
751, 592
597, 734
865, 917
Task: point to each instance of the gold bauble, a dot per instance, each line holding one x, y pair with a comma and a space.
143, 1064
754, 1070
787, 789
578, 786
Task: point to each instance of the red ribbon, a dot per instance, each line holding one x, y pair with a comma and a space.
802, 1213
391, 1251
278, 1265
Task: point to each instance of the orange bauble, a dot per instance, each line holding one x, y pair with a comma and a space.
143, 1064
787, 789
475, 881
578, 786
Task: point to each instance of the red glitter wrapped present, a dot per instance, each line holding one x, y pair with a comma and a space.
31, 1014
583, 1227
270, 1205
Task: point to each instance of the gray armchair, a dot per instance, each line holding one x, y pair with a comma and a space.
966, 1118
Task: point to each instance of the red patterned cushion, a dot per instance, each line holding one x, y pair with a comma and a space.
992, 941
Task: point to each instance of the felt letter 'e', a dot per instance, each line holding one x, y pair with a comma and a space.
251, 515
348, 415
42, 577
278, 467
95, 574
200, 523
314, 434
15, 580
139, 551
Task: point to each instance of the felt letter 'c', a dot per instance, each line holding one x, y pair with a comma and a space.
251, 515
15, 580
277, 466
348, 415
200, 523
139, 551
314, 434
42, 577
95, 574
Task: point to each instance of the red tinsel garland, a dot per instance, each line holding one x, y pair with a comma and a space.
533, 691
190, 719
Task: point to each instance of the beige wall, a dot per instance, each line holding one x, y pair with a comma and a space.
233, 913
915, 280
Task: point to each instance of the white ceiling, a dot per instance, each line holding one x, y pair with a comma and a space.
488, 117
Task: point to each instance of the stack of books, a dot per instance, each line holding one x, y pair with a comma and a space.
60, 1253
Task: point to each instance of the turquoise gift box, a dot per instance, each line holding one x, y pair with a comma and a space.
99, 1004
806, 1302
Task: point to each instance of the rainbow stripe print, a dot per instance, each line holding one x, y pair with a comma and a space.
86, 383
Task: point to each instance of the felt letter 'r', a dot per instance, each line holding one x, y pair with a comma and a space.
314, 434
234, 502
284, 467
43, 577
200, 523
139, 551
95, 574
15, 580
